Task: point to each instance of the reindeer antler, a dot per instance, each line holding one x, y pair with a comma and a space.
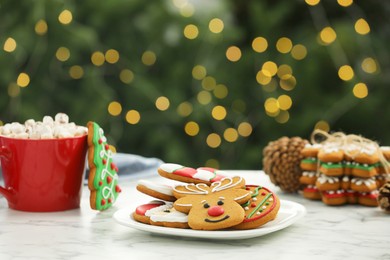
191, 189
227, 183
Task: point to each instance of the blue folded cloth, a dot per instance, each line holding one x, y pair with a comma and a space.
131, 166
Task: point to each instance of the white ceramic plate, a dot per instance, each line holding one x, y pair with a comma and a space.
289, 213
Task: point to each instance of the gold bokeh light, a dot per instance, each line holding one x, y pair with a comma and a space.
233, 54
216, 25
259, 44
191, 31
362, 27
114, 108
191, 128
65, 17
41, 27
9, 45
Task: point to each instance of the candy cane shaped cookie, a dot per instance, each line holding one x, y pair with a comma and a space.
190, 175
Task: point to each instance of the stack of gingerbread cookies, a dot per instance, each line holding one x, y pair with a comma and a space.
205, 199
344, 170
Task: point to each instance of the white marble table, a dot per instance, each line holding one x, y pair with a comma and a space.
347, 232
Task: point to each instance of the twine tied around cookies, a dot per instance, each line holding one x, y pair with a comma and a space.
343, 140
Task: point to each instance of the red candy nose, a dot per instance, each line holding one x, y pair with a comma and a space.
215, 211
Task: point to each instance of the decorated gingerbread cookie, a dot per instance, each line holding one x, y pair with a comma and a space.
213, 207
334, 197
260, 209
190, 175
156, 190
167, 216
140, 212
103, 177
311, 192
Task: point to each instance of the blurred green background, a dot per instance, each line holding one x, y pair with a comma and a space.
199, 82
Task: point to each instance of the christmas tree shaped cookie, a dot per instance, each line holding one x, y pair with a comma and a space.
103, 176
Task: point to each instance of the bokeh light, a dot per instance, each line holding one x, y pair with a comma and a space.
216, 25
259, 44
262, 78
148, 58
233, 53
76, 72
288, 82
114, 108
191, 31
362, 27
360, 90
345, 3
97, 58
65, 17
184, 109
299, 52
285, 102
245, 129
62, 54
220, 91
204, 97
191, 128
213, 140
230, 135
282, 117
218, 112
9, 45
284, 45
126, 76
369, 65
23, 80
322, 125
199, 72
41, 27
162, 103
112, 56
327, 35
346, 72
133, 117
269, 68
312, 2
209, 83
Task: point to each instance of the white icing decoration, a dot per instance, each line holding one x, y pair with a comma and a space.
361, 181
170, 167
323, 179
203, 175
198, 189
172, 216
167, 205
164, 189
218, 186
107, 191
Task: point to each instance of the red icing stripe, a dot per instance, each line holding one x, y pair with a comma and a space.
307, 189
140, 210
334, 195
185, 172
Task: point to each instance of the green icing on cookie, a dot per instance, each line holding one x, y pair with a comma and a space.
106, 177
309, 160
332, 165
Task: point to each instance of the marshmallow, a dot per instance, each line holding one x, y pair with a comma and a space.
62, 118
49, 128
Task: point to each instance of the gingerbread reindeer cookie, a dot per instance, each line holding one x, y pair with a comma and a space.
213, 207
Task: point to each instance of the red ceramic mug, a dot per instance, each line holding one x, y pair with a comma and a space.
43, 175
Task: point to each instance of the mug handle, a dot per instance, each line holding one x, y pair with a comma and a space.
6, 154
